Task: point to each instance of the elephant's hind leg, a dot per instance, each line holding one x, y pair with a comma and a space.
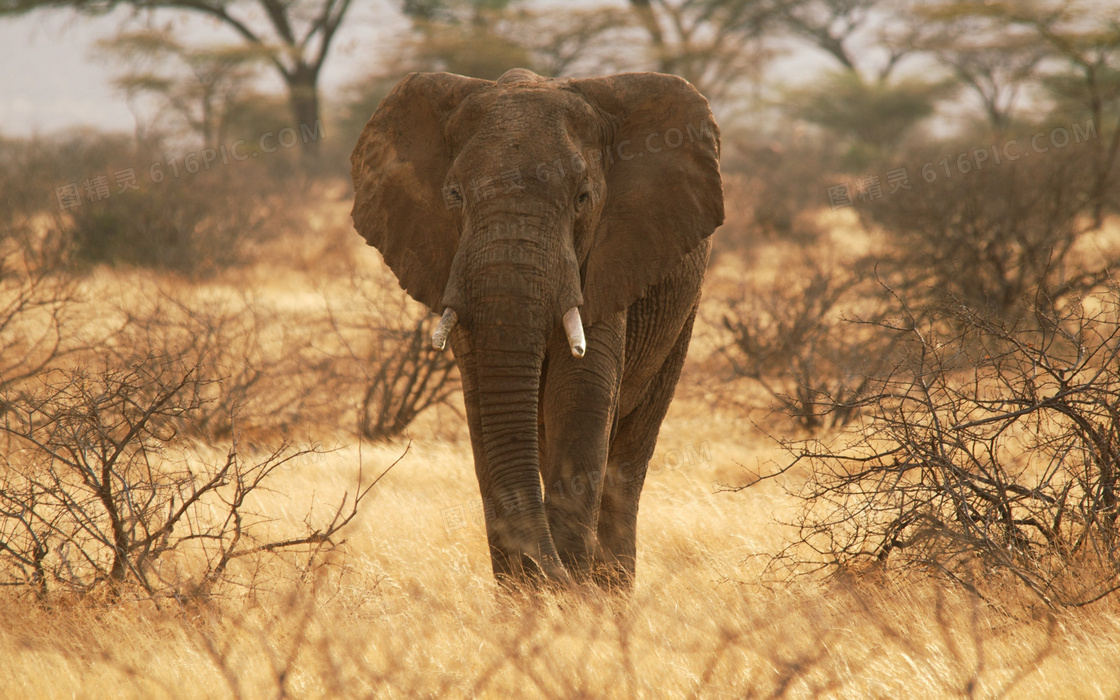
629, 457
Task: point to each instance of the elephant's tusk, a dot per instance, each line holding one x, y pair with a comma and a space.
573, 327
446, 324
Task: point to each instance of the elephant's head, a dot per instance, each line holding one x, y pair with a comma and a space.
514, 208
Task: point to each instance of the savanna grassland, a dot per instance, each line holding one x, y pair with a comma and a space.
405, 604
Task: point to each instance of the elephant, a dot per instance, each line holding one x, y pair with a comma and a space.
561, 227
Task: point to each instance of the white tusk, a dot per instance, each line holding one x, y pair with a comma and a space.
446, 324
573, 327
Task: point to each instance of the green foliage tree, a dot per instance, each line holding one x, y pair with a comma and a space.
862, 102
1088, 85
713, 44
477, 48
457, 37
871, 117
205, 87
484, 39
1080, 66
992, 59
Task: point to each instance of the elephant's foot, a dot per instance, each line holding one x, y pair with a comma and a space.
519, 571
614, 577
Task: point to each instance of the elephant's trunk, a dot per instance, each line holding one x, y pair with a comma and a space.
507, 293
517, 525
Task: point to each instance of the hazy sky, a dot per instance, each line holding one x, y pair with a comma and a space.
50, 78
49, 82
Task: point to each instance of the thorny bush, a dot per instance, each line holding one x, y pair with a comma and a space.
99, 491
990, 452
409, 376
36, 306
387, 341
801, 341
1001, 238
258, 368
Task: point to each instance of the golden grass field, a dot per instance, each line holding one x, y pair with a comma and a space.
407, 607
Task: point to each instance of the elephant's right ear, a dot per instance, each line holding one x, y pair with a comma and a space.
398, 168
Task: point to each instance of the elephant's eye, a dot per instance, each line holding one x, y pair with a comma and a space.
583, 198
453, 196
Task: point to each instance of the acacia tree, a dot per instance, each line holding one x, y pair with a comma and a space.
871, 116
863, 100
484, 38
992, 59
710, 43
1089, 81
830, 25
202, 86
1069, 47
868, 38
295, 36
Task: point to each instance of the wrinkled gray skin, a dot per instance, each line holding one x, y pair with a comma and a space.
458, 183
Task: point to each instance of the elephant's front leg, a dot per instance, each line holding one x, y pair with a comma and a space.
578, 403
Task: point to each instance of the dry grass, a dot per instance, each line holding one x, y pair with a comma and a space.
408, 607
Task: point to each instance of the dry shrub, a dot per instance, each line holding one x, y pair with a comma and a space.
101, 486
769, 188
988, 454
35, 307
194, 224
1001, 239
100, 489
386, 339
31, 169
808, 340
363, 358
144, 205
260, 368
410, 376
271, 370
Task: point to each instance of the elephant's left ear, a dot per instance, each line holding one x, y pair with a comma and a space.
399, 166
664, 191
